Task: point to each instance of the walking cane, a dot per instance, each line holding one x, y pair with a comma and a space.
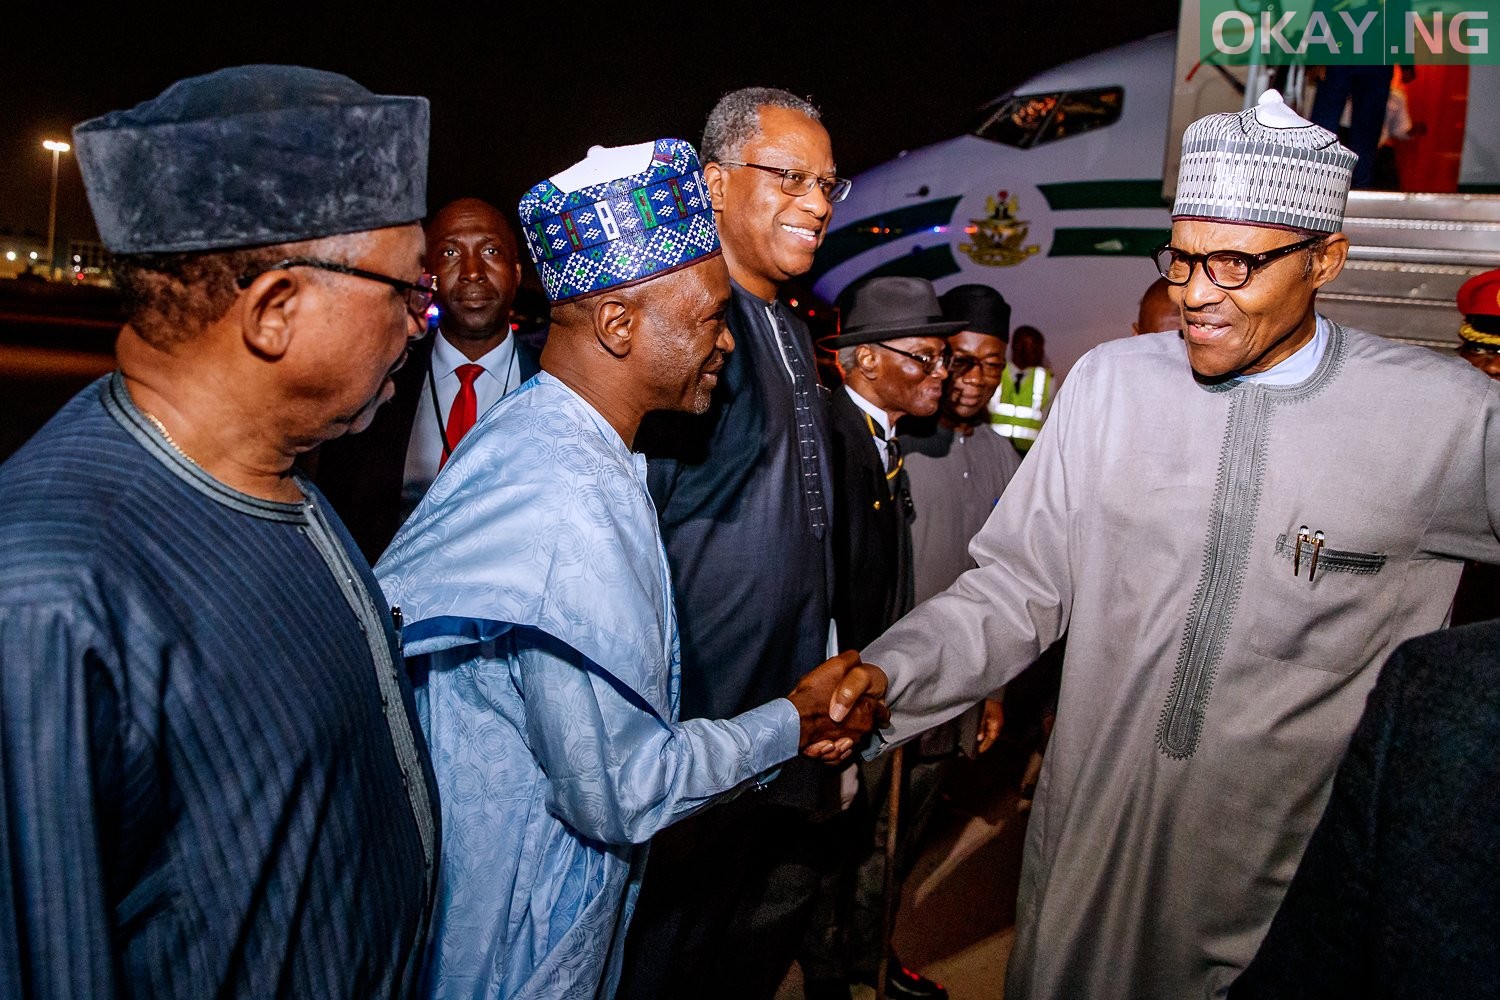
892, 829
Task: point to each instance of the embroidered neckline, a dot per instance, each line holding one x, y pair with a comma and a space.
1329, 366
1226, 547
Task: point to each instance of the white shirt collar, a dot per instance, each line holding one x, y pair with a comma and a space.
446, 358
1300, 366
876, 413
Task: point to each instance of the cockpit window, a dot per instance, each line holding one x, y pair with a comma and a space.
1027, 120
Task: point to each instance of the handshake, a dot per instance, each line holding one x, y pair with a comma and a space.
839, 701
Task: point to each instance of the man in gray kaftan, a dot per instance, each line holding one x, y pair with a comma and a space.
1235, 529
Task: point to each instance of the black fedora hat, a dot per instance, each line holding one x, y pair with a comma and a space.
892, 308
979, 308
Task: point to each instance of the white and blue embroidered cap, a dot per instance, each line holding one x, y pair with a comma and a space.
620, 216
1267, 166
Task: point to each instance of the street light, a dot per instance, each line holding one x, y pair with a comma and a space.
56, 148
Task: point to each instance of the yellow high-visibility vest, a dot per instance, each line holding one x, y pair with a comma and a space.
1017, 413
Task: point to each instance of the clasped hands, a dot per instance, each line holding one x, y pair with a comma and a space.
840, 701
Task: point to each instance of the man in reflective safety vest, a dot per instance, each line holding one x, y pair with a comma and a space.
1018, 409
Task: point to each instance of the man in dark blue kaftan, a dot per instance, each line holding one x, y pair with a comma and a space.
211, 778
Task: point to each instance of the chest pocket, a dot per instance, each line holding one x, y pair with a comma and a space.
1305, 557
1330, 609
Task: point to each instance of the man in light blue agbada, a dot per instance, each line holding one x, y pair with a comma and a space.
541, 629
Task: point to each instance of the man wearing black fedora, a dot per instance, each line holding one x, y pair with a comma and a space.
893, 351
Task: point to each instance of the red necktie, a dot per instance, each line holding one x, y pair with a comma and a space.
465, 409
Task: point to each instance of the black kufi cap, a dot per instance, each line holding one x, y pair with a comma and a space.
254, 155
979, 308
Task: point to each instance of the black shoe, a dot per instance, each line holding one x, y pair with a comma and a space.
903, 982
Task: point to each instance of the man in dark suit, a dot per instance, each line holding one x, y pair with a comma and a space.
1398, 894
894, 353
375, 479
743, 494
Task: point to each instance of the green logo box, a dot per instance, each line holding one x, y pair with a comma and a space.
1349, 32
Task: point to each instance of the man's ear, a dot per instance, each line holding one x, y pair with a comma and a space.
266, 311
1329, 259
715, 177
615, 320
865, 361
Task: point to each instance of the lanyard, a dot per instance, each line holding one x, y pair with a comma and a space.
438, 413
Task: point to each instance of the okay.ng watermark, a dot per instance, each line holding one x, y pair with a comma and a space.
1349, 32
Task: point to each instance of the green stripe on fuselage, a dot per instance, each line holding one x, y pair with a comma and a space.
1066, 195
1106, 242
850, 241
935, 262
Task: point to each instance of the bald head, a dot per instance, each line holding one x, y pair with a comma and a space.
1157, 311
471, 250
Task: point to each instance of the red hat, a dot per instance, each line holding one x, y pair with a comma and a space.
1479, 301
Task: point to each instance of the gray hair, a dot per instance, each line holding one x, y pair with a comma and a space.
735, 120
169, 297
848, 359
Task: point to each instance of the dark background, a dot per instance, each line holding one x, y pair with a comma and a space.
520, 91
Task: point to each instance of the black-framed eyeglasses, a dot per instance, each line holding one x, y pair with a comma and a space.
1229, 269
930, 365
962, 364
799, 182
418, 294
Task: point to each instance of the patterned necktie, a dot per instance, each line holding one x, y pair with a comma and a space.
895, 475
465, 409
893, 463
902, 598
807, 442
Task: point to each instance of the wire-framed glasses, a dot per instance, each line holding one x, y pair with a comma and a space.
799, 182
418, 294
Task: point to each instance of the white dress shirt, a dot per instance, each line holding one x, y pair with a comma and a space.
882, 421
424, 452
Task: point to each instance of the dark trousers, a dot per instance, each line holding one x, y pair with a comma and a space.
846, 937
725, 902
1368, 88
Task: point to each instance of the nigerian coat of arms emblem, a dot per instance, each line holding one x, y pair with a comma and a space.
998, 238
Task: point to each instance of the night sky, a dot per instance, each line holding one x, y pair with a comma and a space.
520, 91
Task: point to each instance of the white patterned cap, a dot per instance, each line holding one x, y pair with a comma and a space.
1267, 166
